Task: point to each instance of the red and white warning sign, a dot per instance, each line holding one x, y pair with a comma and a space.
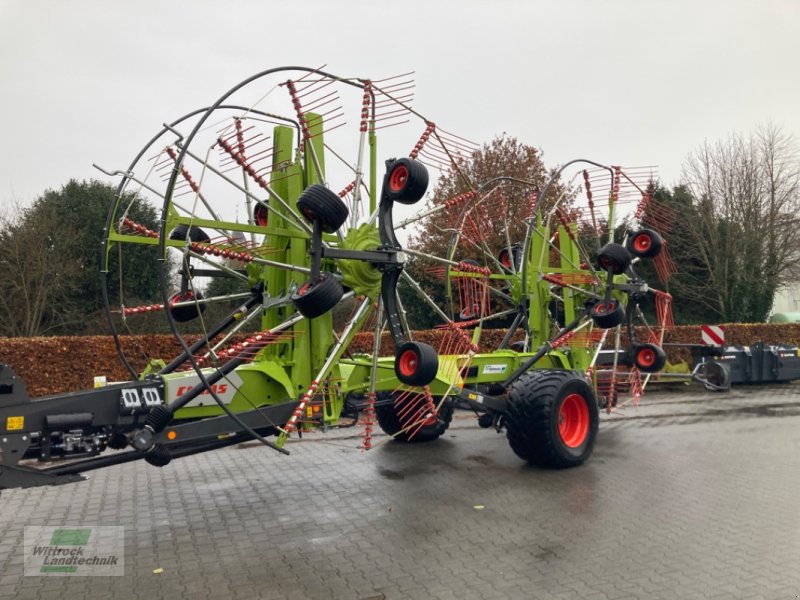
712, 335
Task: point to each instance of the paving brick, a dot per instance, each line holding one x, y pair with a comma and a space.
687, 496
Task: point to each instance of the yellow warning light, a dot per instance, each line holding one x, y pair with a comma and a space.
171, 435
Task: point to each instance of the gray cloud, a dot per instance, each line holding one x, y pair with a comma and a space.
624, 82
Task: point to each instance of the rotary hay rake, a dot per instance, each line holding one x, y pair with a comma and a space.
248, 216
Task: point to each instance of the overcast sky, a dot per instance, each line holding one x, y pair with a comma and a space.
630, 82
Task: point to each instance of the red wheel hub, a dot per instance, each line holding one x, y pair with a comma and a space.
645, 357
408, 362
573, 420
262, 218
178, 297
602, 308
398, 178
505, 259
642, 243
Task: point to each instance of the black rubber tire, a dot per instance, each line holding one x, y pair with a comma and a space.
182, 314
534, 408
645, 243
416, 363
406, 181
614, 256
158, 456
648, 358
486, 420
319, 203
386, 413
315, 299
195, 234
469, 313
607, 314
117, 441
260, 215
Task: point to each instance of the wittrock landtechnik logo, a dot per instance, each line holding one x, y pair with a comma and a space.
74, 551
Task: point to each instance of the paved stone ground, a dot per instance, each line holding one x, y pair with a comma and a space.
691, 495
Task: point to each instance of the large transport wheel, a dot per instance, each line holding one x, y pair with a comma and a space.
388, 412
552, 418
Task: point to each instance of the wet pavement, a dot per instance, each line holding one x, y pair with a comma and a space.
693, 494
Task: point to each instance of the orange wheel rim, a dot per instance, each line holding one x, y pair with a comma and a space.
408, 363
642, 243
398, 178
262, 218
180, 297
573, 420
646, 357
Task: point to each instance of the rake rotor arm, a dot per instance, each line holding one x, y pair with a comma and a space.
389, 259
390, 271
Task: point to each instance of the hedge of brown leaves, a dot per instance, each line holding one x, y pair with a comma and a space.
53, 365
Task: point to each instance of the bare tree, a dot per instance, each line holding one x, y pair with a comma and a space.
743, 235
780, 164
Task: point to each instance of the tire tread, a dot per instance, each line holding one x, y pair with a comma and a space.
532, 399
